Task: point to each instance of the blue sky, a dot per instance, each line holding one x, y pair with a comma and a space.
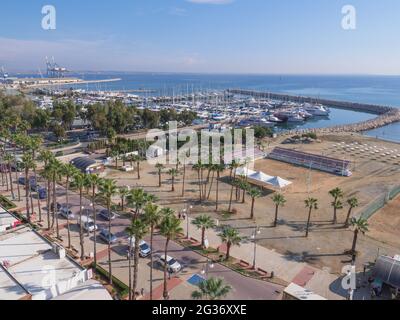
212, 36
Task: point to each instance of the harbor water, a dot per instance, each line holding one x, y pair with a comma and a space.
381, 90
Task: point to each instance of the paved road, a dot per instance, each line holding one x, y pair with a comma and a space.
243, 287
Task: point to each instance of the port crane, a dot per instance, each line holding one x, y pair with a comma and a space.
54, 70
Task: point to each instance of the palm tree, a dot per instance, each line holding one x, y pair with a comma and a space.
46, 174
170, 228
136, 199
27, 164
198, 167
337, 194
79, 183
203, 223
173, 173
54, 168
8, 158
152, 216
167, 212
123, 193
231, 237
234, 165
359, 225
337, 205
94, 182
219, 169
311, 204
279, 201
160, 167
211, 289
137, 159
254, 194
137, 230
34, 144
68, 171
108, 189
353, 203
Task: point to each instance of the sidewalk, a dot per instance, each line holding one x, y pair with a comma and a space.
317, 280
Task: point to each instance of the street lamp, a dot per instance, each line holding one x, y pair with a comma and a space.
209, 265
256, 232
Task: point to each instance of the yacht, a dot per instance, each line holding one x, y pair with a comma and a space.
316, 110
295, 118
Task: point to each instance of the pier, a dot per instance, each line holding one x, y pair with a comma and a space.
385, 114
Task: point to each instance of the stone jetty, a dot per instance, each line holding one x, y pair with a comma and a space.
385, 114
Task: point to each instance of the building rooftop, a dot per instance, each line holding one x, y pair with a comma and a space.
32, 265
7, 220
90, 290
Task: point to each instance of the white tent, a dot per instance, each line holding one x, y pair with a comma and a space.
279, 182
276, 182
244, 172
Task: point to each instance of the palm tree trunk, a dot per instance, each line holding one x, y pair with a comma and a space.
55, 211
231, 198
252, 208
11, 182
95, 223
159, 179
138, 170
348, 217
353, 248
151, 262
228, 250
109, 244
211, 184
173, 184
28, 214
38, 197
334, 215
276, 215
199, 180
135, 268
217, 192
130, 270
7, 179
48, 204
308, 222
18, 188
67, 204
81, 224
2, 176
184, 179
165, 292
203, 236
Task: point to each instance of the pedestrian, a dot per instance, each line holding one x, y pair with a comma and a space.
142, 292
184, 217
180, 216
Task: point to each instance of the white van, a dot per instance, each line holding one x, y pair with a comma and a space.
87, 224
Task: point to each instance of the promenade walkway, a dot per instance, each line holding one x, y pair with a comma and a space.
319, 281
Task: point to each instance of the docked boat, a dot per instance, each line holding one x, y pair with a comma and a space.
316, 109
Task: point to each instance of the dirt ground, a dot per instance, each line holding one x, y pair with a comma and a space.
327, 243
385, 224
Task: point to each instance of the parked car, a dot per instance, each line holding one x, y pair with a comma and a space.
107, 215
58, 206
144, 248
67, 213
107, 237
22, 181
173, 266
42, 193
88, 224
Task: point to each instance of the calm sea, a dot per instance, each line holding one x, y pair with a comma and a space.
384, 90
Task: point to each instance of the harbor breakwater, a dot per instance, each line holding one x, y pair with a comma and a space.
385, 114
